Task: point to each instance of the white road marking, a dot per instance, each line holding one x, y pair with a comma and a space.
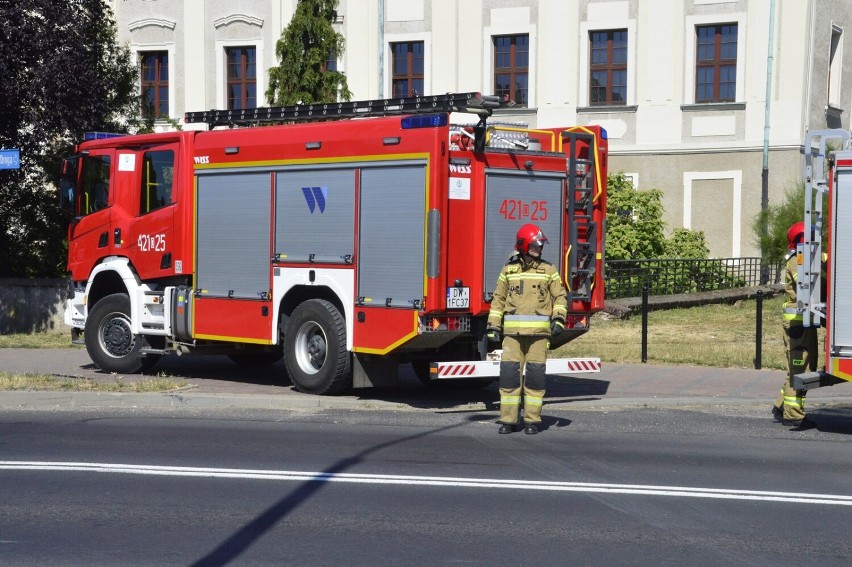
648, 490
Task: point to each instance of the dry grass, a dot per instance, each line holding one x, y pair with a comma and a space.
714, 335
37, 340
43, 382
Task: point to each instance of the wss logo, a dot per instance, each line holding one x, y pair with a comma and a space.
315, 197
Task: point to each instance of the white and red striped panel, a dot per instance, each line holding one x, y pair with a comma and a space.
491, 368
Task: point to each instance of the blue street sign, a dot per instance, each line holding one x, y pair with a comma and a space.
10, 159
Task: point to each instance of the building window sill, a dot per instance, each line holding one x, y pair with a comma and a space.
609, 109
712, 106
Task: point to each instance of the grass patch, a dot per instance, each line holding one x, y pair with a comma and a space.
721, 336
37, 340
44, 382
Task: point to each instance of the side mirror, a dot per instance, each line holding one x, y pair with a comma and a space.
67, 184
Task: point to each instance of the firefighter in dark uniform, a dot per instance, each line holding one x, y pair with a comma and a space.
529, 304
800, 342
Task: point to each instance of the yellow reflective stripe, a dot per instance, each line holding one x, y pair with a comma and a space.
527, 276
533, 401
501, 277
519, 326
795, 401
510, 400
495, 313
531, 318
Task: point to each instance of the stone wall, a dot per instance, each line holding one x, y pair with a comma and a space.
32, 305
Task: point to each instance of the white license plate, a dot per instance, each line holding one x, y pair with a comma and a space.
458, 297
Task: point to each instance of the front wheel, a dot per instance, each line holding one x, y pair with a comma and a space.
315, 349
109, 339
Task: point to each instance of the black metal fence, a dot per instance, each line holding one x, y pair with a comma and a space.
628, 278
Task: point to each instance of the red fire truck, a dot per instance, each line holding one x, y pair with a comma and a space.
827, 174
349, 238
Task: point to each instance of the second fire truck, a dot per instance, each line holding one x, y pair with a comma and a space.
349, 238
828, 175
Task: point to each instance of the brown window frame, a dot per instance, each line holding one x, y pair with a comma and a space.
243, 81
609, 67
411, 76
154, 106
513, 69
717, 65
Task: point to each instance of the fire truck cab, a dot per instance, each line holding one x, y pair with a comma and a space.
348, 238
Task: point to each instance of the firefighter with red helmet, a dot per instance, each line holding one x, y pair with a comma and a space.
800, 342
529, 304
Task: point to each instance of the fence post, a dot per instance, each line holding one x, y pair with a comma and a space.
758, 332
645, 323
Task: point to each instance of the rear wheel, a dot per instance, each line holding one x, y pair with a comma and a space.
109, 339
315, 349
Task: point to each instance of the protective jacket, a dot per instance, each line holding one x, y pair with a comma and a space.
791, 275
527, 298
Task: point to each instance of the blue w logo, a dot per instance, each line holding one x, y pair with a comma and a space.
315, 196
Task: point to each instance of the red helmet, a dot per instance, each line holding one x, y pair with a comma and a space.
795, 233
529, 234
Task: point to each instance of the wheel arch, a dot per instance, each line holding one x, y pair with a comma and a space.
300, 293
114, 274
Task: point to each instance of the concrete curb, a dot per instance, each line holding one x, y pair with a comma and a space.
304, 402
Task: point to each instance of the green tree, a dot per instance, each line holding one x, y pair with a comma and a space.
304, 48
63, 74
634, 221
777, 220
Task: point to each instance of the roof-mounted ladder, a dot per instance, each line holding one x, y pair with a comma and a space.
472, 102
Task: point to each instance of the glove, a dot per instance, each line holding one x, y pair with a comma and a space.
556, 327
493, 334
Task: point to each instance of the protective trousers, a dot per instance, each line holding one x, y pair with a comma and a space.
527, 354
800, 343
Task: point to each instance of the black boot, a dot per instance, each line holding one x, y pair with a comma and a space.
506, 428
531, 429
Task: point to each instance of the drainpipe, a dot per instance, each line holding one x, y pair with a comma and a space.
381, 91
764, 189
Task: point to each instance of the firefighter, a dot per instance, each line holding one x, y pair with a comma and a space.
529, 304
800, 342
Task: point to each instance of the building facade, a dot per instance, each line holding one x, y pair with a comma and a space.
699, 97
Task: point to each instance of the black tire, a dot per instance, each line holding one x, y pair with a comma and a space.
109, 340
315, 349
421, 370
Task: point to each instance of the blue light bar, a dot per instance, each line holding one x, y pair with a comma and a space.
101, 135
424, 121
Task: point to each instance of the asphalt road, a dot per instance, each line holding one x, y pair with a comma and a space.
716, 485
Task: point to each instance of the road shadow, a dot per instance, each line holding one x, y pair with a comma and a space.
234, 546
835, 419
218, 374
214, 374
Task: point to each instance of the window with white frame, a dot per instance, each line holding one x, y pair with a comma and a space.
154, 83
241, 65
835, 66
607, 67
716, 63
511, 67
